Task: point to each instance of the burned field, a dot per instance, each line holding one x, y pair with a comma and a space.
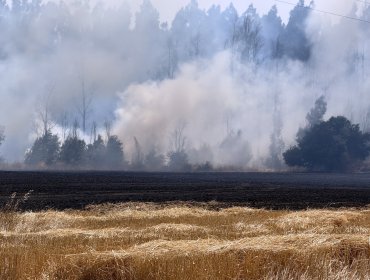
191, 226
63, 190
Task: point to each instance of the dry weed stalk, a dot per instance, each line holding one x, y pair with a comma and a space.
9, 211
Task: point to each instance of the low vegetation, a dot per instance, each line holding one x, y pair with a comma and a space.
183, 241
333, 145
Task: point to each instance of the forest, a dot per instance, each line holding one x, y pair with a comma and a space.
96, 87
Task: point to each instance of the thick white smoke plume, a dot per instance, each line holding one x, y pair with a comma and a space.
151, 79
215, 97
212, 101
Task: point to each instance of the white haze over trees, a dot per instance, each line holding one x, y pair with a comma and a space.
237, 86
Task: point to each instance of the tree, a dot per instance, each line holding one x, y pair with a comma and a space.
177, 157
44, 151
96, 153
248, 36
333, 145
93, 135
366, 121
171, 57
295, 41
86, 101
276, 149
108, 129
178, 161
230, 16
147, 18
114, 154
188, 31
216, 30
148, 32
43, 111
154, 161
73, 151
315, 116
235, 150
272, 28
138, 156
64, 125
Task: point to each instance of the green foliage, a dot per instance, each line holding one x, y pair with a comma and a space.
295, 42
114, 153
334, 145
45, 150
96, 153
73, 151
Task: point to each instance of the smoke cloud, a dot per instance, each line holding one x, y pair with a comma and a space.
149, 79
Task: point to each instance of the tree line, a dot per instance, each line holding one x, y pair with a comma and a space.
107, 153
334, 145
49, 152
194, 33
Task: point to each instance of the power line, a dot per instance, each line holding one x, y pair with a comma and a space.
325, 12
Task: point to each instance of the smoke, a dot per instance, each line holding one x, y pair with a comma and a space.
214, 98
215, 103
148, 81
68, 49
340, 61
198, 98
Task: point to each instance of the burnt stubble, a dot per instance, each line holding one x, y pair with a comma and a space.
63, 190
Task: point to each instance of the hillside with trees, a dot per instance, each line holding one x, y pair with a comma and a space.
241, 80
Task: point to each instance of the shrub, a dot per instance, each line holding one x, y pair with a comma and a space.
333, 145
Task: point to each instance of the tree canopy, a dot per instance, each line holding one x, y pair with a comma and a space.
73, 151
114, 153
44, 151
333, 145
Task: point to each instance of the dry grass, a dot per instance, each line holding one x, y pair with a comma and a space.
148, 241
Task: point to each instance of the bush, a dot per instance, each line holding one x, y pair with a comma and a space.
334, 145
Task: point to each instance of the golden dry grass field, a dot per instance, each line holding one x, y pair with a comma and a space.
179, 241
